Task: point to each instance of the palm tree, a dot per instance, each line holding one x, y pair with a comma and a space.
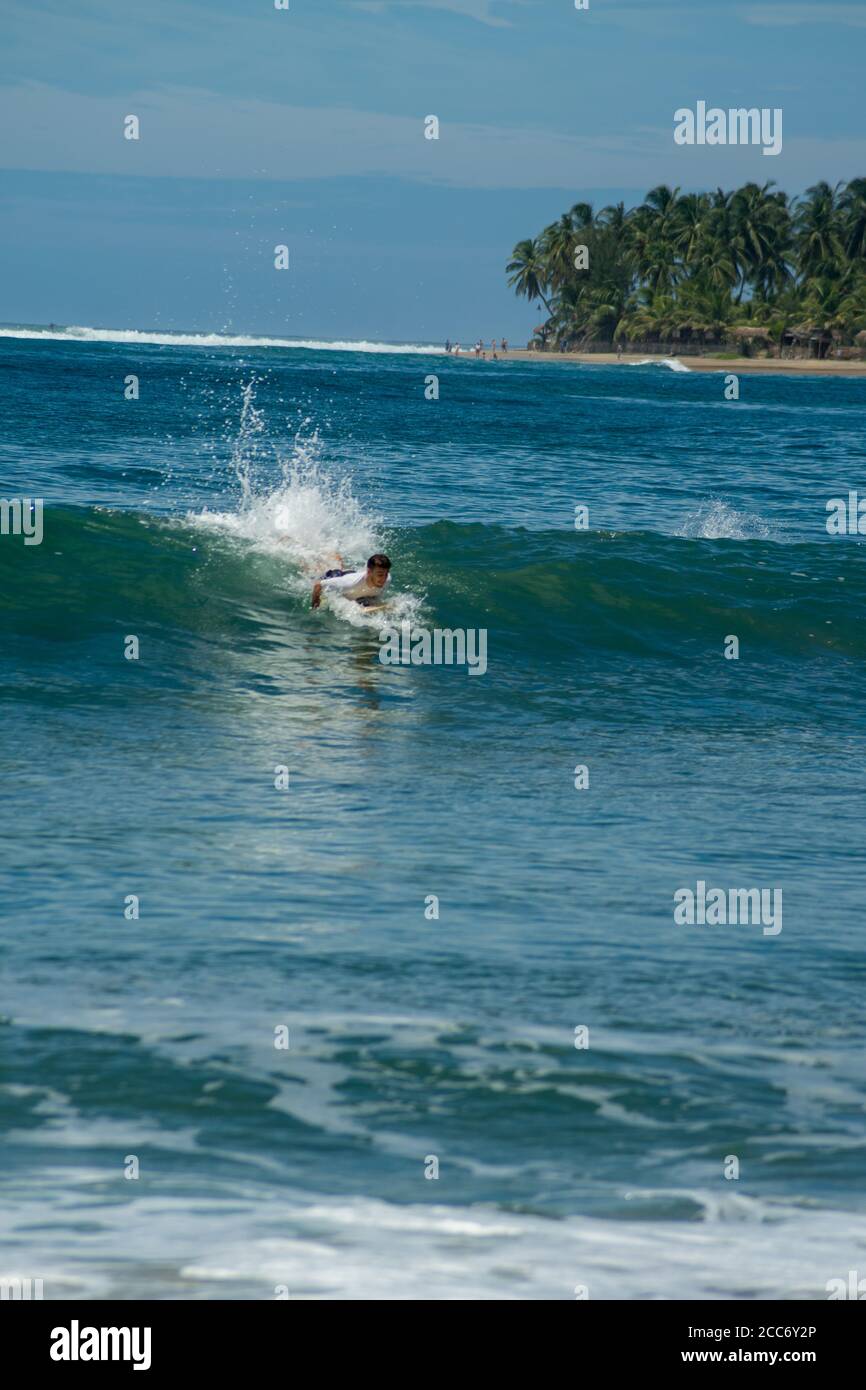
690, 224
852, 307
655, 259
581, 216
606, 306
647, 316
703, 262
527, 272
706, 307
652, 237
760, 228
559, 241
819, 232
662, 201
614, 217
853, 204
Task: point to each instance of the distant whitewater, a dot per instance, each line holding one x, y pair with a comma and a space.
73, 333
673, 363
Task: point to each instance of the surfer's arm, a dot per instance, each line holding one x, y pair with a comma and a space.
317, 594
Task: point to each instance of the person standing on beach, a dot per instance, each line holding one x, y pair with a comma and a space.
504, 345
447, 344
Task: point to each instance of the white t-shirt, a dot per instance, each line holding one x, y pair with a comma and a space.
355, 584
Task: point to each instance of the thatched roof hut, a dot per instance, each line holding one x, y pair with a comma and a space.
817, 340
751, 338
806, 332
686, 330
752, 333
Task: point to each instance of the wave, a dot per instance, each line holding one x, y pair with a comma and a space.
217, 574
674, 1234
673, 363
308, 522
135, 336
255, 1243
546, 593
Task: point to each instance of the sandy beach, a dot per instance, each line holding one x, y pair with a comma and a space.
802, 367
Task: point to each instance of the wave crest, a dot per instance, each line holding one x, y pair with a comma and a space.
74, 333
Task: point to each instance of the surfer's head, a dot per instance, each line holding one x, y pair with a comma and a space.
378, 567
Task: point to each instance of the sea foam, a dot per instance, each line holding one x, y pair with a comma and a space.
307, 518
717, 520
673, 363
212, 340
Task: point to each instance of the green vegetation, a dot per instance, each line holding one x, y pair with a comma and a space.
753, 269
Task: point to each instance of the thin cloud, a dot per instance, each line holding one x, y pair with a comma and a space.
189, 133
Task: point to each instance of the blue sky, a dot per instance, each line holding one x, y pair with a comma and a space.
305, 126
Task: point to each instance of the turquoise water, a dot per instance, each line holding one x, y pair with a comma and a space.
189, 518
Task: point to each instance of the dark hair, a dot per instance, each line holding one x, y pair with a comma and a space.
379, 560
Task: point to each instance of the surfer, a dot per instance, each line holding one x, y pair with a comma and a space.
364, 586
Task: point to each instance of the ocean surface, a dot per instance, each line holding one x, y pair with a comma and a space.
191, 519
